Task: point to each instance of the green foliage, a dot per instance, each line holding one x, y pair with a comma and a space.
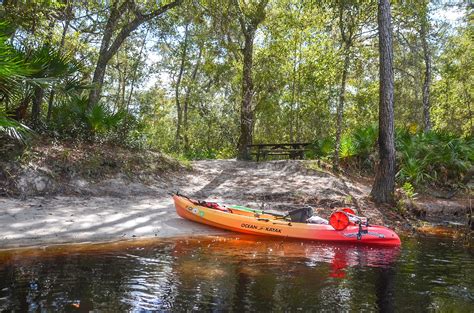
24, 69
101, 119
322, 147
49, 63
357, 145
13, 70
413, 170
409, 190
453, 91
69, 118
13, 129
422, 158
13, 66
433, 156
364, 140
347, 149
74, 120
296, 73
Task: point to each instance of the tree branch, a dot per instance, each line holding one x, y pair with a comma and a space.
135, 23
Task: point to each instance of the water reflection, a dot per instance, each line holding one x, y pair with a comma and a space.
240, 273
271, 252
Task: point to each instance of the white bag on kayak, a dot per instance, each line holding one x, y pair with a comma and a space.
317, 220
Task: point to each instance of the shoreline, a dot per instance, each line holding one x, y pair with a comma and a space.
122, 209
43, 221
38, 223
63, 220
112, 244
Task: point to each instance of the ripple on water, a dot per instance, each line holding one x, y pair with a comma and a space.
242, 274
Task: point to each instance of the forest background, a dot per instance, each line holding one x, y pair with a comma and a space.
201, 79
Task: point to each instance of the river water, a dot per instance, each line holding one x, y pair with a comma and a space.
239, 273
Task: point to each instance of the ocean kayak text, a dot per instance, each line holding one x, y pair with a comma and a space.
271, 229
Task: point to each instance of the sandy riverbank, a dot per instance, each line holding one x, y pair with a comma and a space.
40, 221
148, 211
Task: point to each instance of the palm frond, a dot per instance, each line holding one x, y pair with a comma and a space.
13, 129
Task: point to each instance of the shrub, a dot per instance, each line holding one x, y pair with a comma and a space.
433, 157
422, 158
13, 129
364, 140
74, 119
322, 147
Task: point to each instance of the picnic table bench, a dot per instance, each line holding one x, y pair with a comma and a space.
292, 150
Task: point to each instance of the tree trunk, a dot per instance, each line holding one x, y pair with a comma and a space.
104, 54
39, 91
50, 105
298, 93
427, 74
186, 101
248, 26
340, 108
135, 70
119, 85
384, 184
97, 81
22, 109
53, 92
36, 106
347, 27
124, 85
109, 46
293, 91
246, 113
179, 110
467, 96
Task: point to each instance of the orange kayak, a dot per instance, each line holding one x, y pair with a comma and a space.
265, 224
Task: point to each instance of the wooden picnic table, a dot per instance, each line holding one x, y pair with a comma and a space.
294, 150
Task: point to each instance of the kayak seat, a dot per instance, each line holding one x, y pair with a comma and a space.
300, 215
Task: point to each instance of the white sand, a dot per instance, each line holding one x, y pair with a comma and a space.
61, 219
